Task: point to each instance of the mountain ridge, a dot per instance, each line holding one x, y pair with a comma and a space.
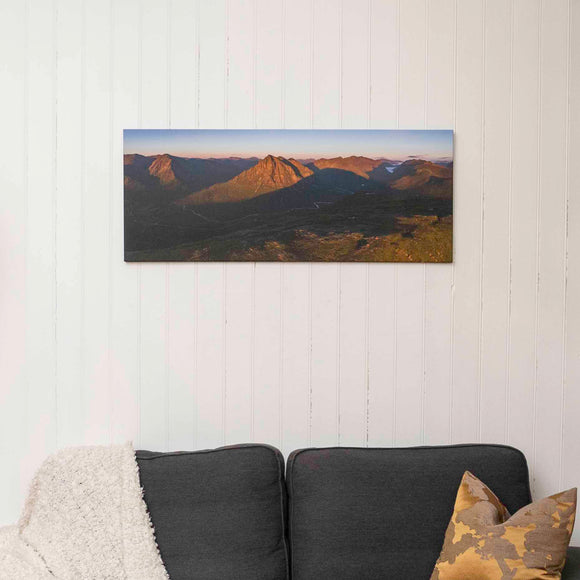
270, 174
173, 173
202, 181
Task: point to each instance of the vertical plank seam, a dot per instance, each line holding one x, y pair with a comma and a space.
84, 384
111, 405
451, 366
482, 230
224, 353
340, 60
309, 417
310, 332
281, 376
194, 410
140, 270
312, 63
426, 9
167, 389
26, 190
168, 88
510, 230
254, 62
253, 280
424, 297
395, 369
366, 346
55, 304
338, 367
281, 359
566, 247
398, 80
538, 229
283, 79
369, 61
253, 350
198, 71
367, 294
166, 374
225, 266
227, 66
339, 266
396, 267
423, 349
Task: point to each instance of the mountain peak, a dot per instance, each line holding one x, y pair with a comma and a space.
163, 169
269, 174
357, 164
415, 173
132, 158
274, 172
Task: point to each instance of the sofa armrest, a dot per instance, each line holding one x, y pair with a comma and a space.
572, 568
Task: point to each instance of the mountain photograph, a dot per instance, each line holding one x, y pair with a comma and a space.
288, 195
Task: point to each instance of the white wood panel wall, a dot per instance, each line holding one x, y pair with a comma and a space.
185, 356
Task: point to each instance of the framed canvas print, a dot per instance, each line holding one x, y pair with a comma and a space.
288, 195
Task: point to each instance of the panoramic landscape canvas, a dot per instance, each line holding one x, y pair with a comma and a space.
288, 195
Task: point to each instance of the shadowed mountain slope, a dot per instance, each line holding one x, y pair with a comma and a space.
269, 174
416, 173
322, 188
170, 173
362, 166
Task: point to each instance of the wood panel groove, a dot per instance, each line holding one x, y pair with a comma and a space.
552, 243
451, 383
398, 78
309, 407
537, 262
566, 235
139, 266
83, 403
481, 225
110, 220
367, 385
252, 353
195, 443
424, 296
395, 310
54, 209
167, 415
423, 348
510, 228
224, 385
281, 359
26, 425
571, 426
338, 353
366, 356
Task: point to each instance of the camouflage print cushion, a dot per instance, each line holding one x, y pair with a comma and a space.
483, 542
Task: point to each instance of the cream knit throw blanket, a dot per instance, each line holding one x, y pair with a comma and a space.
84, 519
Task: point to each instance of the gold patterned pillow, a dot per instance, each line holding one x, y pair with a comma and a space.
483, 542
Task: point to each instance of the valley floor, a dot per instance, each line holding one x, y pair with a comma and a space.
430, 242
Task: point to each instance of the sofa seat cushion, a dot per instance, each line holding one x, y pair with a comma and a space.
366, 514
218, 514
572, 567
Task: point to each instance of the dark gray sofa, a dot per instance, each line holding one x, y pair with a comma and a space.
329, 514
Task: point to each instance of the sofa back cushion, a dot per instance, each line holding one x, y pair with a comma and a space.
218, 514
382, 513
